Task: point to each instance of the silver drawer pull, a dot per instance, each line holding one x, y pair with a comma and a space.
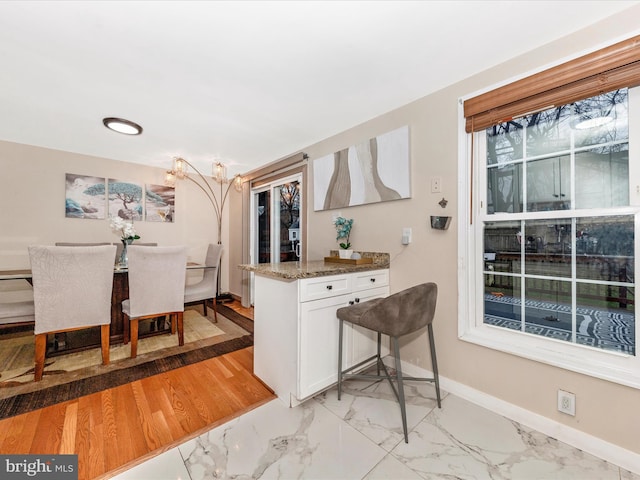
329, 287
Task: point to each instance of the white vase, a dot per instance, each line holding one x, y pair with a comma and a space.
345, 253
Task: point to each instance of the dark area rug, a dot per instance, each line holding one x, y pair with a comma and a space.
61, 393
100, 378
236, 318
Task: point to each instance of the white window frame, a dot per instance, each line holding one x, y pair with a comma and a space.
608, 365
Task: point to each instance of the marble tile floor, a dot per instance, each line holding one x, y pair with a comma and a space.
360, 437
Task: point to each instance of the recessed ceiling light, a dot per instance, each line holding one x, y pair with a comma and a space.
121, 125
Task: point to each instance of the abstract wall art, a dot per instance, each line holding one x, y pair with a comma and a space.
375, 170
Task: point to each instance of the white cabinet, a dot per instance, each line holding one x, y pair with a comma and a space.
296, 330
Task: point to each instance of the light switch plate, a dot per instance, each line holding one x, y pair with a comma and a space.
406, 235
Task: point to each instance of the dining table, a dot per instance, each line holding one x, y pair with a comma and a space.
90, 337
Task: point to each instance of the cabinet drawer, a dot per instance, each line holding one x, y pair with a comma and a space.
324, 287
371, 279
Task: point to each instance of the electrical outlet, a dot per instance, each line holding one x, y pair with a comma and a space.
436, 184
567, 402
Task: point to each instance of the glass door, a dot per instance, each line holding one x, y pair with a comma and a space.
276, 210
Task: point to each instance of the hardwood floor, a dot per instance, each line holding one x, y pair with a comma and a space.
117, 428
237, 306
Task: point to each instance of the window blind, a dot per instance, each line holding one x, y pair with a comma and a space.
610, 68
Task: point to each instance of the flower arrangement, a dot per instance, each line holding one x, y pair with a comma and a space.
343, 228
124, 229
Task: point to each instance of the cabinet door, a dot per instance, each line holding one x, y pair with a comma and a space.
363, 343
318, 344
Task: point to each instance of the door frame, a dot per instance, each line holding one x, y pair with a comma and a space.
298, 173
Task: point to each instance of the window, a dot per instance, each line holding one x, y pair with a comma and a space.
552, 235
568, 278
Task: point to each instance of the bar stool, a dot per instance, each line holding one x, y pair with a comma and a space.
397, 315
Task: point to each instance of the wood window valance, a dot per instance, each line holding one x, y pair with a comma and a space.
610, 68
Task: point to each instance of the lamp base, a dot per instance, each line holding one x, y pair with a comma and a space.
224, 298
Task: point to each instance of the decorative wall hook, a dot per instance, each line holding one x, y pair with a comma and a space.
443, 202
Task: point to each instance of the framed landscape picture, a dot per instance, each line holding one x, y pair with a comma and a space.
85, 196
159, 203
125, 199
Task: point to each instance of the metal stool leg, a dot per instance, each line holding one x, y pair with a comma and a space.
434, 363
403, 408
340, 327
379, 359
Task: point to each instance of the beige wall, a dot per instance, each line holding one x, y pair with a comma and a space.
604, 410
32, 198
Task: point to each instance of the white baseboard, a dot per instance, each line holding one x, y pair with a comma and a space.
588, 443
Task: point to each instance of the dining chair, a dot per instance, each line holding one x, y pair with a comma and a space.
80, 244
84, 244
156, 288
205, 289
71, 291
397, 315
16, 314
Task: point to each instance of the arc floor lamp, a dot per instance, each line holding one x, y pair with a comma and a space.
219, 173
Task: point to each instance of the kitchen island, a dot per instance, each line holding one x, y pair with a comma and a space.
295, 323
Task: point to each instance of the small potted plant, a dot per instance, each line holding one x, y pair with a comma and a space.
343, 229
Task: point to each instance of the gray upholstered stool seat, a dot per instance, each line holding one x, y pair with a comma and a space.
399, 314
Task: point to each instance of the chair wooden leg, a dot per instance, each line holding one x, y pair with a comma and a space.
204, 306
126, 335
104, 336
134, 337
215, 310
180, 328
41, 347
172, 318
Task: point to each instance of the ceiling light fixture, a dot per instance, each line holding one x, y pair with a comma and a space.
121, 125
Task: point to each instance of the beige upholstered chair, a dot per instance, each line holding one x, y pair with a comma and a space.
156, 288
74, 244
71, 290
80, 244
397, 315
13, 314
206, 288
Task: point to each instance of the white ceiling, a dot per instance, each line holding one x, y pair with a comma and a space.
246, 82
